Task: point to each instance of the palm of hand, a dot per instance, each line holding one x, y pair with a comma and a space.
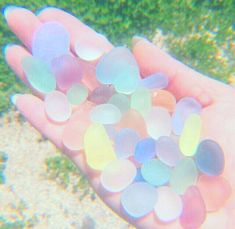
218, 100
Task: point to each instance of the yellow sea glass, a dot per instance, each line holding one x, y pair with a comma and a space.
98, 147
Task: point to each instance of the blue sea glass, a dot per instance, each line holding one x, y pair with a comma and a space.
155, 81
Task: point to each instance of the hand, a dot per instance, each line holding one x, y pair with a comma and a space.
217, 99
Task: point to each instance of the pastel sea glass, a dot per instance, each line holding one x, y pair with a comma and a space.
77, 94
138, 199
67, 71
158, 122
39, 74
57, 106
168, 151
184, 108
155, 172
144, 150
169, 205
138, 176
125, 142
101, 94
141, 100
163, 98
98, 147
105, 114
209, 158
221, 191
118, 175
50, 41
190, 136
121, 101
194, 211
183, 175
155, 81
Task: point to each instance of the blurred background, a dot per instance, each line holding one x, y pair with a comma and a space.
40, 188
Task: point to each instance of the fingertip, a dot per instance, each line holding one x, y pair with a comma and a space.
14, 98
8, 9
39, 11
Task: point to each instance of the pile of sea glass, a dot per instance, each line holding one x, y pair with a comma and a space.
146, 145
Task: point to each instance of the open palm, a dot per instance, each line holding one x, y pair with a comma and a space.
218, 112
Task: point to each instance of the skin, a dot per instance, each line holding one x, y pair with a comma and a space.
218, 114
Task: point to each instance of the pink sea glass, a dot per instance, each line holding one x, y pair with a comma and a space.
194, 210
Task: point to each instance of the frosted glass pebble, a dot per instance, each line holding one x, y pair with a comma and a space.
39, 74
141, 100
101, 94
67, 70
105, 114
113, 63
98, 147
209, 158
169, 205
118, 175
76, 127
183, 175
77, 94
111, 131
138, 176
155, 172
155, 81
125, 142
190, 136
121, 101
163, 98
194, 212
220, 191
184, 108
57, 106
158, 122
50, 41
168, 151
139, 199
144, 150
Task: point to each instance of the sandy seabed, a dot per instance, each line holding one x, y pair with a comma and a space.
28, 196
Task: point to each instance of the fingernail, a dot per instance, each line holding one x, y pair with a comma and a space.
136, 39
14, 98
9, 9
39, 11
5, 48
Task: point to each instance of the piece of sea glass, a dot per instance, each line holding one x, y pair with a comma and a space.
190, 136
144, 150
39, 74
50, 41
155, 81
121, 101
77, 94
158, 122
98, 147
105, 114
125, 142
194, 212
164, 98
133, 120
138, 176
169, 205
139, 199
101, 94
67, 70
76, 127
209, 158
183, 175
57, 106
118, 175
220, 191
141, 100
168, 151
183, 109
155, 172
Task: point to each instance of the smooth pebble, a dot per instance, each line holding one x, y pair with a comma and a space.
77, 94
101, 94
155, 81
121, 101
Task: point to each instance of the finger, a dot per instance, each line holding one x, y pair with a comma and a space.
76, 28
23, 24
184, 81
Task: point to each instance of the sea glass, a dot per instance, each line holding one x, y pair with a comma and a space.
101, 94
155, 81
77, 94
121, 101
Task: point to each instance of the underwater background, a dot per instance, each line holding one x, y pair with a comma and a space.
200, 33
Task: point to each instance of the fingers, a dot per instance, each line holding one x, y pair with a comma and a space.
23, 23
76, 28
183, 80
